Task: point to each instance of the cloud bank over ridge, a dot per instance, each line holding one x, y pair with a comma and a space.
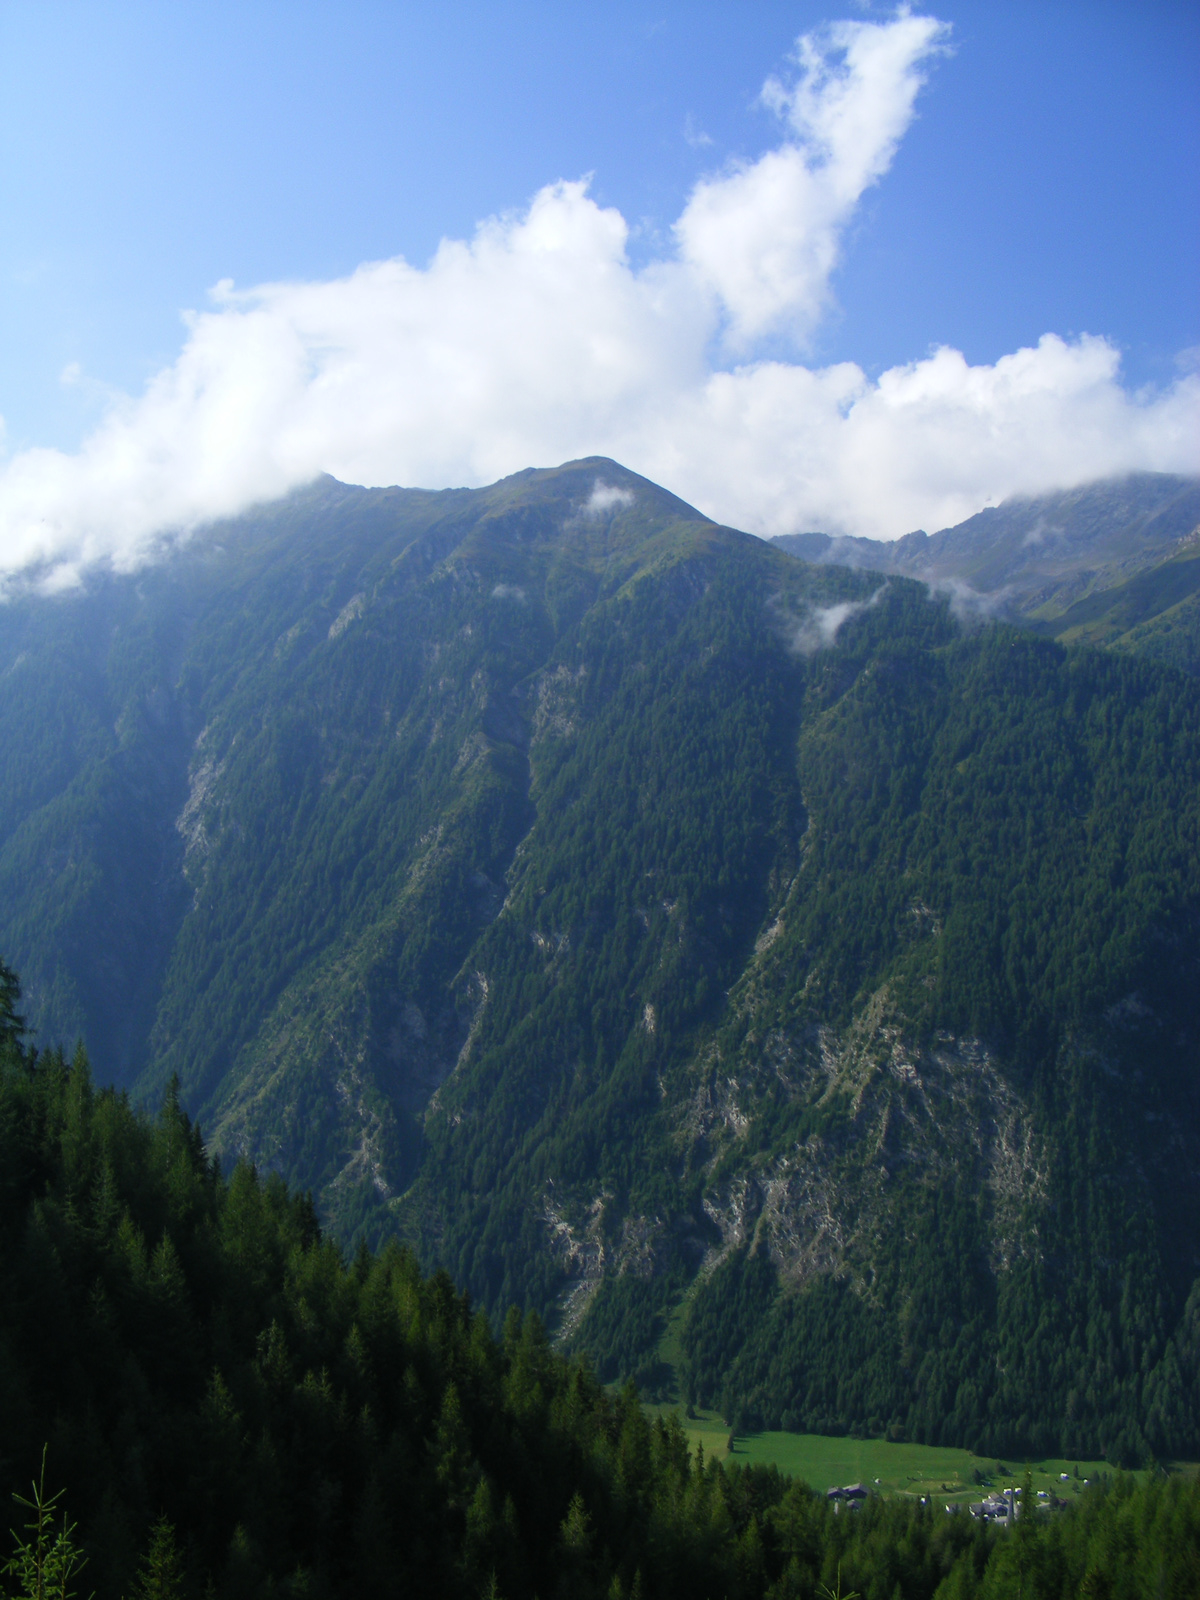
538, 340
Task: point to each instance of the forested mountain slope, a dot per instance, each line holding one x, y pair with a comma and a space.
646, 924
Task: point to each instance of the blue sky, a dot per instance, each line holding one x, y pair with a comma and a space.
1044, 181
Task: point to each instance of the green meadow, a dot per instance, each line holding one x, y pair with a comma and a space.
923, 1471
917, 1470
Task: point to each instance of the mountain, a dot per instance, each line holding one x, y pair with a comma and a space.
785, 987
1111, 563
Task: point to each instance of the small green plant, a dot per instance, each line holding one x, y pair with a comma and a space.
827, 1593
45, 1563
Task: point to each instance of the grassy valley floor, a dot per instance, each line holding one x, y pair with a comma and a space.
953, 1477
942, 1475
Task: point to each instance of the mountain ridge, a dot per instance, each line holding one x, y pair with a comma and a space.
1099, 563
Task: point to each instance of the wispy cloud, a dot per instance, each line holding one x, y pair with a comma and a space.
695, 134
968, 604
537, 341
819, 626
606, 498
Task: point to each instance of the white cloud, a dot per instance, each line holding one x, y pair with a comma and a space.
537, 341
607, 497
818, 628
930, 443
765, 236
969, 604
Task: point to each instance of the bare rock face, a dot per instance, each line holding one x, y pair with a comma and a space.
938, 1114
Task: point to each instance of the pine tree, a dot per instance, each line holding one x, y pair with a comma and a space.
161, 1574
45, 1563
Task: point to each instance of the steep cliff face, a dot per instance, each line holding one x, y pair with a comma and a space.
656, 930
936, 1114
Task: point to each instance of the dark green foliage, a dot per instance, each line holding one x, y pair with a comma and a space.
161, 1575
631, 908
621, 1331
565, 895
233, 1409
1041, 803
1039, 809
200, 1358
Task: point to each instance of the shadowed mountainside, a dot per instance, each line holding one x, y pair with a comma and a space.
730, 956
